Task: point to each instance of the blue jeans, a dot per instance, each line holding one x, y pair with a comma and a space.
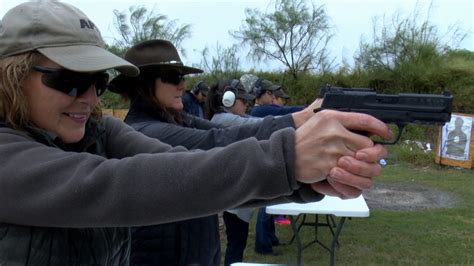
265, 236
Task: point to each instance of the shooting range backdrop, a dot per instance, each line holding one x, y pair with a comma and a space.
455, 142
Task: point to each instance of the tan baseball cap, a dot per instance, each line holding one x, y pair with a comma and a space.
62, 33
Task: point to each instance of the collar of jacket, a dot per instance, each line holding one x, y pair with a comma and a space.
94, 131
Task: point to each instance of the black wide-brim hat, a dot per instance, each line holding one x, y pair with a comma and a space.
149, 55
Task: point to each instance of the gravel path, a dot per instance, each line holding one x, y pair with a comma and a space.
407, 197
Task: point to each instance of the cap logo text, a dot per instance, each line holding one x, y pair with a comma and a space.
87, 24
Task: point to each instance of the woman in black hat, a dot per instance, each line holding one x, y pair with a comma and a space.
157, 111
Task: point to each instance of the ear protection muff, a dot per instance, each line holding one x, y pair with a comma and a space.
195, 89
257, 87
228, 99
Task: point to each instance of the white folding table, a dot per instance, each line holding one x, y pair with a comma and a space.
327, 206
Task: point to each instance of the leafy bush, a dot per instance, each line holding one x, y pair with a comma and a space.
112, 100
411, 154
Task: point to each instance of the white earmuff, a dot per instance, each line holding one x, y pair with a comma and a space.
228, 99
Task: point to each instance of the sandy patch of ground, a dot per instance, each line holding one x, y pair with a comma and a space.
406, 196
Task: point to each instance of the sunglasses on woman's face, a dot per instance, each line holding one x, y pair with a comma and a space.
72, 83
171, 77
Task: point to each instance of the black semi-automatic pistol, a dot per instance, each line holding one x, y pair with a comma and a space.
400, 109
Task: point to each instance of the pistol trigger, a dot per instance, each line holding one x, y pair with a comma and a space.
394, 140
400, 130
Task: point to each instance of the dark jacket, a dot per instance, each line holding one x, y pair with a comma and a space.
26, 245
273, 109
50, 192
43, 186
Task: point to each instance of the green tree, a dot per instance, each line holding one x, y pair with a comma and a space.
139, 25
224, 64
406, 52
458, 78
294, 34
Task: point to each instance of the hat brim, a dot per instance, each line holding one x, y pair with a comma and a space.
280, 93
246, 96
88, 58
274, 87
184, 70
121, 83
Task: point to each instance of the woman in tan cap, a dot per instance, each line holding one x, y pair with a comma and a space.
72, 182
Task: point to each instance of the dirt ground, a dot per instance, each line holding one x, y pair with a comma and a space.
406, 197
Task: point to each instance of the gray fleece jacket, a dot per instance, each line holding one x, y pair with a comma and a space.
142, 182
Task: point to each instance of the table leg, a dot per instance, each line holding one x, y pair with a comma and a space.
298, 240
316, 225
331, 223
335, 237
299, 227
335, 240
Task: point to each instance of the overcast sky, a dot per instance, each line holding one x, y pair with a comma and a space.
211, 20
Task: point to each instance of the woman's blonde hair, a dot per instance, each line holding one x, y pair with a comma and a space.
14, 70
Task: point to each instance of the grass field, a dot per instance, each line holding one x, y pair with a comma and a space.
422, 237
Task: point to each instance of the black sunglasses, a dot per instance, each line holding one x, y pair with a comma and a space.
73, 83
171, 77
